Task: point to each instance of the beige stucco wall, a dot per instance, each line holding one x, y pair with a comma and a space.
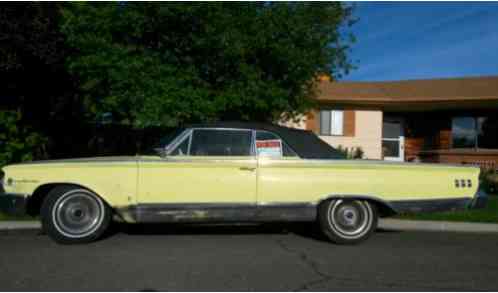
368, 134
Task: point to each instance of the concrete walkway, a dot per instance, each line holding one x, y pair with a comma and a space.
385, 224
19, 225
7, 227
437, 226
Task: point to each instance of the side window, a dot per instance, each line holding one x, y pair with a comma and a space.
182, 148
269, 144
331, 122
214, 142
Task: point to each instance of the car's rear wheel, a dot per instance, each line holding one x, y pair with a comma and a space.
346, 221
73, 215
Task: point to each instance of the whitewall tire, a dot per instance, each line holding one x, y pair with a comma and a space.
71, 214
347, 221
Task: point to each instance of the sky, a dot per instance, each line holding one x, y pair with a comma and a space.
424, 40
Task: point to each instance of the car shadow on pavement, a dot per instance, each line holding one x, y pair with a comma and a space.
307, 230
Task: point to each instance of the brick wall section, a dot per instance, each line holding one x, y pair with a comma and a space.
312, 121
483, 160
444, 139
349, 123
413, 145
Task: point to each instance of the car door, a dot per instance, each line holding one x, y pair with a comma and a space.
280, 180
207, 168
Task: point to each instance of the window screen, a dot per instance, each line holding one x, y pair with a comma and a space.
336, 120
463, 130
331, 122
475, 132
391, 130
214, 142
325, 122
487, 128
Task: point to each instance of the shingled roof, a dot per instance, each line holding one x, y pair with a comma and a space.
453, 92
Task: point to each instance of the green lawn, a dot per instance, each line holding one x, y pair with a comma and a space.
487, 215
4, 217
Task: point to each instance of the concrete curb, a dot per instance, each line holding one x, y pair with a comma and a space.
20, 227
7, 227
437, 226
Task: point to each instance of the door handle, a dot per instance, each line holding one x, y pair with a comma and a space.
251, 169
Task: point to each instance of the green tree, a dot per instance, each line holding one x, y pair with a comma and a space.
18, 142
36, 86
169, 63
32, 63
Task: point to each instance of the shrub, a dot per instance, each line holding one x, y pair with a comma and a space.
18, 143
489, 180
351, 154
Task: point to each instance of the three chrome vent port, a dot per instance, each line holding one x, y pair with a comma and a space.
463, 183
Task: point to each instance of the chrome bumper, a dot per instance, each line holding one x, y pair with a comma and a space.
480, 200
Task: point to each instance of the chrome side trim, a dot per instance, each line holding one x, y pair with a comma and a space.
187, 159
367, 162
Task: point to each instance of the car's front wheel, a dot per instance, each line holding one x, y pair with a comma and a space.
347, 221
72, 215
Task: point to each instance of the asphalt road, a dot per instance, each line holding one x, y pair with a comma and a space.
250, 258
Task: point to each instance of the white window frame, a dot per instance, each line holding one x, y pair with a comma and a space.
337, 122
336, 126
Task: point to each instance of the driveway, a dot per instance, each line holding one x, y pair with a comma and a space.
247, 258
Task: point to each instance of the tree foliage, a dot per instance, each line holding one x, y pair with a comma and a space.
159, 64
18, 142
169, 63
32, 62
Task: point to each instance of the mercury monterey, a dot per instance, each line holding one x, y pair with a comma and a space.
232, 172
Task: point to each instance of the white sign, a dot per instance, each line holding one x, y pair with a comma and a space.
270, 148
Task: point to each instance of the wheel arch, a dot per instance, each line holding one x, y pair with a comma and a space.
384, 208
36, 199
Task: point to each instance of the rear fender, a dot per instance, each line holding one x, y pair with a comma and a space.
385, 208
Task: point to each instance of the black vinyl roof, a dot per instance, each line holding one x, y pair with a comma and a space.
304, 142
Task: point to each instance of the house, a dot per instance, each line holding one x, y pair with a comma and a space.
437, 120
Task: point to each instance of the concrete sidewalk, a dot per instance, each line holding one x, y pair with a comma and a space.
437, 226
19, 225
384, 224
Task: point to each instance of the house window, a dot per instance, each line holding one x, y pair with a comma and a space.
475, 132
331, 122
463, 131
487, 132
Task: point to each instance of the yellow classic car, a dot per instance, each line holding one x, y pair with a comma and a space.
232, 172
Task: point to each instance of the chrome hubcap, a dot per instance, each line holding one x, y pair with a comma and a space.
78, 213
350, 218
